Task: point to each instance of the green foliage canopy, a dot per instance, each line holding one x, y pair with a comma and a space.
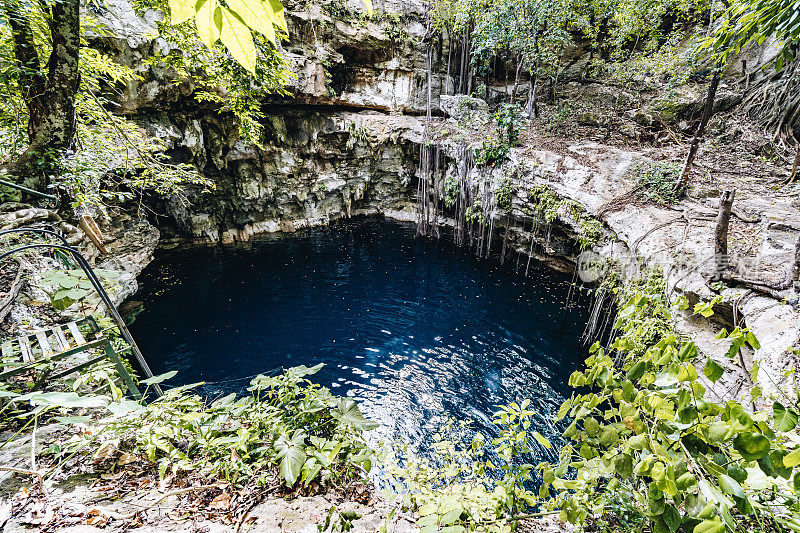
754, 21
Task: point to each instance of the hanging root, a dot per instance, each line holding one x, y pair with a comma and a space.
593, 325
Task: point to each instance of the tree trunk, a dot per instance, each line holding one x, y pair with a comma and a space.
531, 107
721, 257
449, 61
683, 179
516, 80
50, 99
32, 80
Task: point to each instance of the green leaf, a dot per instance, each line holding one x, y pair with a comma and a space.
181, 10
160, 378
62, 399
257, 15
637, 371
311, 468
277, 15
737, 472
61, 303
785, 419
623, 465
793, 459
704, 309
208, 20
752, 341
592, 427
713, 494
671, 518
713, 370
609, 437
685, 481
235, 35
347, 412
709, 526
124, 407
688, 351
564, 409
730, 486
687, 415
752, 446
451, 517
541, 440
292, 456
687, 372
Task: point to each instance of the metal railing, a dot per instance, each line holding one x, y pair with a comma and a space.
93, 279
24, 189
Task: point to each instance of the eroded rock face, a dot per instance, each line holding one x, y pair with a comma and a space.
684, 104
312, 168
463, 107
343, 60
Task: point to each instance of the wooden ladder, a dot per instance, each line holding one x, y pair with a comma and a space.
58, 342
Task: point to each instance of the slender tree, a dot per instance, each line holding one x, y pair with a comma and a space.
708, 109
48, 76
49, 92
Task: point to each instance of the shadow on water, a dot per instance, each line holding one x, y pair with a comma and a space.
417, 331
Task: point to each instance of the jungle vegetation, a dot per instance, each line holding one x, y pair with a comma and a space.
648, 448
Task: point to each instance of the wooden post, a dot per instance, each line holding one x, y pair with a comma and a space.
796, 267
721, 258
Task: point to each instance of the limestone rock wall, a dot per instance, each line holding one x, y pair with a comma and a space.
339, 58
313, 168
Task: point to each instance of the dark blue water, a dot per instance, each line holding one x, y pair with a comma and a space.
418, 331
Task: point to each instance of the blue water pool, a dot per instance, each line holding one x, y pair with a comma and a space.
417, 331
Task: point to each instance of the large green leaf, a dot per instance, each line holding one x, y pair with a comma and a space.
347, 412
277, 11
713, 370
752, 446
793, 459
208, 20
709, 526
292, 456
257, 15
785, 419
730, 486
159, 378
237, 38
672, 518
63, 399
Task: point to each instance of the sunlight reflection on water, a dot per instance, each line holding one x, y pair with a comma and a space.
416, 331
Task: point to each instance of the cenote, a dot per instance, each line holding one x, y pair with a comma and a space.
418, 331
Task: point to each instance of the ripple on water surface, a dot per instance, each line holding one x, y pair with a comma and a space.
417, 331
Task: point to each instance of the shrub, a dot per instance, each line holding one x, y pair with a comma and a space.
451, 192
491, 152
288, 427
509, 123
657, 180
650, 444
504, 193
